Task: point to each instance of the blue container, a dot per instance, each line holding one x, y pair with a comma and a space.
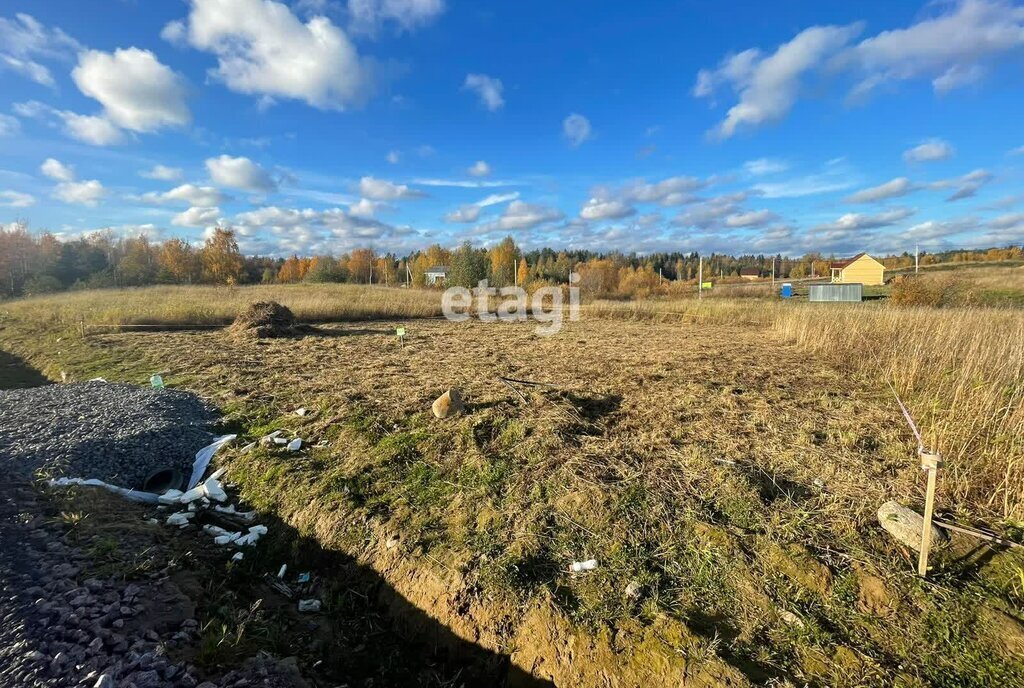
787, 290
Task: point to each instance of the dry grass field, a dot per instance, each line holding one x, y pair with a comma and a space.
722, 460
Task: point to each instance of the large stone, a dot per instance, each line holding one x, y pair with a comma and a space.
448, 404
906, 525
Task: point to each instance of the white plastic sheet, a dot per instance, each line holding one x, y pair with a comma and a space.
199, 466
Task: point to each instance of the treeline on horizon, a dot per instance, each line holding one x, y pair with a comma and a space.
32, 264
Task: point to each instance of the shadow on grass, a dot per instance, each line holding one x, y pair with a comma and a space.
16, 373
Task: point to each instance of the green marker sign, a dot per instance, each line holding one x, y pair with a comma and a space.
705, 285
400, 331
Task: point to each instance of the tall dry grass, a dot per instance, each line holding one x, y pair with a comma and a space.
196, 306
961, 372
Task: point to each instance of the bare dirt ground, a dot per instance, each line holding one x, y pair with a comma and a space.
727, 484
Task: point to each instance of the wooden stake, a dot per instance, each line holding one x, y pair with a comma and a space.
930, 463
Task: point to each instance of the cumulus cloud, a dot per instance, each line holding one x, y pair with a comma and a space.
479, 169
56, 170
753, 218
201, 196
240, 173
1007, 221
894, 188
24, 41
363, 208
393, 157
576, 128
668, 192
471, 211
853, 221
601, 209
273, 229
367, 16
384, 190
931, 150
487, 88
87, 193
519, 215
92, 129
137, 91
710, 213
16, 199
767, 86
162, 173
197, 216
263, 49
464, 183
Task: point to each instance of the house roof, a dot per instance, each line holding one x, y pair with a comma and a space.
840, 264
438, 268
750, 271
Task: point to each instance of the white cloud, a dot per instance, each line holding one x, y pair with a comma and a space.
767, 86
763, 166
668, 192
16, 199
464, 213
56, 170
576, 128
520, 215
464, 183
87, 193
495, 199
240, 173
753, 218
162, 173
383, 190
600, 209
137, 91
201, 196
966, 186
953, 49
709, 214
24, 41
894, 188
263, 49
487, 88
197, 217
367, 16
931, 150
1007, 221
92, 129
9, 126
393, 157
852, 221
1019, 150
479, 169
271, 229
364, 208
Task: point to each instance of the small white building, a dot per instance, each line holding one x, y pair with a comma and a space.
437, 274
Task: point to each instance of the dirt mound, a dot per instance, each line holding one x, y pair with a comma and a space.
264, 319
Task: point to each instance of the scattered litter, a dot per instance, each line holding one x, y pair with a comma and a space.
152, 521
248, 448
309, 605
300, 412
212, 489
295, 444
180, 519
303, 578
226, 539
588, 565
231, 511
237, 556
391, 543
156, 381
254, 534
633, 590
791, 618
170, 497
269, 439
95, 379
281, 571
280, 440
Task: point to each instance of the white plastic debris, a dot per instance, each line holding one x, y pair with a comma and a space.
237, 556
302, 578
172, 496
95, 379
250, 538
248, 448
309, 605
212, 489
231, 511
300, 412
295, 444
281, 571
226, 539
156, 381
280, 440
192, 495
588, 565
180, 519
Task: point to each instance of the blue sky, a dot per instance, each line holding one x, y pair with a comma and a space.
318, 126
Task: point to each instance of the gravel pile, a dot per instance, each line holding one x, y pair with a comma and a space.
115, 432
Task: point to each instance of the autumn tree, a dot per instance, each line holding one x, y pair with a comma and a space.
291, 271
502, 262
360, 266
178, 262
221, 260
523, 273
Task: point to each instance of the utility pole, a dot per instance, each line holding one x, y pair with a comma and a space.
773, 274
917, 253
515, 271
371, 271
700, 278
408, 274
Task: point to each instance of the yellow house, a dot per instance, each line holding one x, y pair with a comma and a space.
862, 269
